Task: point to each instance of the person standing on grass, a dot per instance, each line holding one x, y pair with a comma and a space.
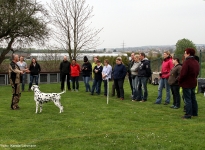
188, 82
23, 67
134, 75
34, 70
86, 71
75, 73
65, 71
167, 65
95, 59
173, 82
106, 75
97, 78
119, 73
132, 61
144, 72
14, 78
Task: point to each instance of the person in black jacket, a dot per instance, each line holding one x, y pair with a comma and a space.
65, 71
97, 78
34, 70
86, 71
119, 74
144, 72
129, 71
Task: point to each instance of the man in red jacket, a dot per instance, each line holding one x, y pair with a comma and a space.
188, 82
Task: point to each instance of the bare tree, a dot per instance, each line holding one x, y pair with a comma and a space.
70, 19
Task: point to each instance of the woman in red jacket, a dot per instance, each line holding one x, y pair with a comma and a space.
167, 65
75, 72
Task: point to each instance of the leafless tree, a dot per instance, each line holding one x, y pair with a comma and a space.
70, 19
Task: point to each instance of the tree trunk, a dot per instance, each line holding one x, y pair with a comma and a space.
5, 51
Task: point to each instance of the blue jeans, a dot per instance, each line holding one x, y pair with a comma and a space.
86, 82
96, 85
23, 81
75, 81
142, 84
190, 101
163, 83
136, 92
31, 80
176, 95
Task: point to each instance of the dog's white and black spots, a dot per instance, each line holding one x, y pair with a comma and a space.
41, 98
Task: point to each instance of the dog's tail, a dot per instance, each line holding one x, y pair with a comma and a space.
62, 92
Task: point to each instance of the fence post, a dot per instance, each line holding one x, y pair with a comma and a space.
200, 55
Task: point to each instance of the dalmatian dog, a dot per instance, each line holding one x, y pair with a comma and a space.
41, 98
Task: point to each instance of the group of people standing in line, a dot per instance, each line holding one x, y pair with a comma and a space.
173, 76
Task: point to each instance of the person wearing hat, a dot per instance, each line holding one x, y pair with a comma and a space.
97, 78
86, 71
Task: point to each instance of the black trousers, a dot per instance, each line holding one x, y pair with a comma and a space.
176, 95
63, 77
130, 81
119, 87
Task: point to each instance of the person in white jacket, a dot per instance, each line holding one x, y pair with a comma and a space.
106, 75
134, 73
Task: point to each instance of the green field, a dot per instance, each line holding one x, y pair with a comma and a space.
89, 123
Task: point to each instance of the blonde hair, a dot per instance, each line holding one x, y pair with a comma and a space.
168, 53
119, 58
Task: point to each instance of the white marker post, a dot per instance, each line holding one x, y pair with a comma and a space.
65, 83
107, 90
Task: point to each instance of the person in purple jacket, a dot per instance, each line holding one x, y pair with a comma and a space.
188, 82
119, 74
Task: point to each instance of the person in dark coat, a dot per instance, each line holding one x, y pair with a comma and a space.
65, 71
119, 73
86, 71
131, 62
144, 72
97, 78
34, 70
173, 82
188, 82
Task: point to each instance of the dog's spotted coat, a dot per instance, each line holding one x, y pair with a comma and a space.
41, 98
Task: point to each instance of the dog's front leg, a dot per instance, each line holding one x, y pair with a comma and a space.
37, 103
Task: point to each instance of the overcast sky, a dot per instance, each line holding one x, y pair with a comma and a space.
148, 22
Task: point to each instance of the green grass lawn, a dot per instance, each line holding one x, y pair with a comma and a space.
89, 123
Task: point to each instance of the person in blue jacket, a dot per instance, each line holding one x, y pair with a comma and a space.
119, 74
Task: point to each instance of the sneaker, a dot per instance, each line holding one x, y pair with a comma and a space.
156, 103
76, 90
172, 106
121, 98
143, 101
133, 100
175, 107
166, 103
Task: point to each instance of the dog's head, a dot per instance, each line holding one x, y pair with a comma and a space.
34, 86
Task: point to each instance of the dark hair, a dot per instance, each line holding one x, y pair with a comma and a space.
190, 51
177, 59
32, 61
142, 54
98, 61
85, 58
74, 59
107, 61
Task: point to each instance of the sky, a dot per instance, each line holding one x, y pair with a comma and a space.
147, 22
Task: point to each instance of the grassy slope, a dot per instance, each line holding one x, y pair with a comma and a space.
89, 123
